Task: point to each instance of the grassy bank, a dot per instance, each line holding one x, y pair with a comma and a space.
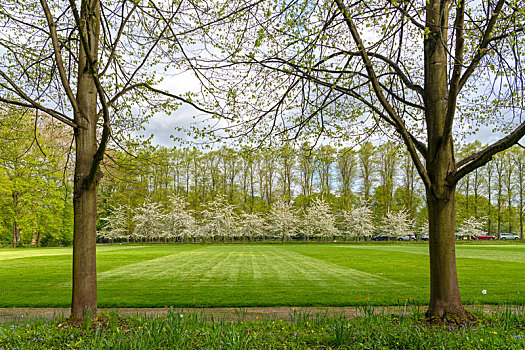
178, 330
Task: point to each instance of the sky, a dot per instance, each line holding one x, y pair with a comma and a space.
163, 126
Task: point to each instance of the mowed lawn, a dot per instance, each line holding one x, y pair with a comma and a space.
261, 275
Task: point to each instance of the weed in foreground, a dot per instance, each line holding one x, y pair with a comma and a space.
505, 328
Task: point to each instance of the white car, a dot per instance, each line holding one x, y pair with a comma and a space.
406, 238
505, 236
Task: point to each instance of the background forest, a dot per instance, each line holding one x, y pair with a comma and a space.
279, 188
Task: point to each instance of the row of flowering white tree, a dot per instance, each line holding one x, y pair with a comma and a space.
221, 222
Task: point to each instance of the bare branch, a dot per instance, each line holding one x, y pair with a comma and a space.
482, 157
405, 13
58, 57
482, 48
164, 93
400, 126
404, 78
33, 104
117, 39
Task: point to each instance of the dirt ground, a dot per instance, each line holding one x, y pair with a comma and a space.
230, 313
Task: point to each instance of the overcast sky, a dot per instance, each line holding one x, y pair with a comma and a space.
163, 126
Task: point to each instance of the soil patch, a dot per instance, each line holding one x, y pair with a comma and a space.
233, 313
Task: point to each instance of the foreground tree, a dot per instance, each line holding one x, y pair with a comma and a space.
76, 61
417, 77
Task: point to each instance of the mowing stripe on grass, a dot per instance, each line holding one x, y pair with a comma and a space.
255, 274
477, 252
30, 253
244, 266
243, 276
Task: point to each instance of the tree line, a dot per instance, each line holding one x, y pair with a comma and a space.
35, 182
36, 191
220, 222
379, 176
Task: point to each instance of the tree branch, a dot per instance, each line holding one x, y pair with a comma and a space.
456, 73
106, 131
482, 49
482, 157
405, 13
58, 57
164, 93
117, 39
33, 104
400, 126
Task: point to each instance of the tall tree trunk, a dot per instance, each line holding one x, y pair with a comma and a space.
445, 299
16, 234
444, 289
519, 169
84, 299
84, 238
476, 183
489, 180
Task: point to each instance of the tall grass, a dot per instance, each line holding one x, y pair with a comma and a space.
372, 329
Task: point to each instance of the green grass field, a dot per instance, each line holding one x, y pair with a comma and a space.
261, 275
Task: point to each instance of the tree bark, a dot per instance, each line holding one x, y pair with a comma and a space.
16, 234
444, 289
489, 179
445, 300
84, 298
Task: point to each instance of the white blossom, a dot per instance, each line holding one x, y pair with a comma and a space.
358, 222
397, 223
118, 224
219, 219
318, 220
149, 221
179, 222
253, 225
471, 227
282, 219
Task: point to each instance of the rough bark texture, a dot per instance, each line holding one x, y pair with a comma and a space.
444, 289
84, 299
84, 242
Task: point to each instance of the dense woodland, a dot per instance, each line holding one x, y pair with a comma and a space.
35, 180
248, 184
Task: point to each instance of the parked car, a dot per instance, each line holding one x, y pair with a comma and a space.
381, 237
406, 238
505, 236
484, 237
424, 238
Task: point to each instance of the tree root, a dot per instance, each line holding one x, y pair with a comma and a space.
456, 319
